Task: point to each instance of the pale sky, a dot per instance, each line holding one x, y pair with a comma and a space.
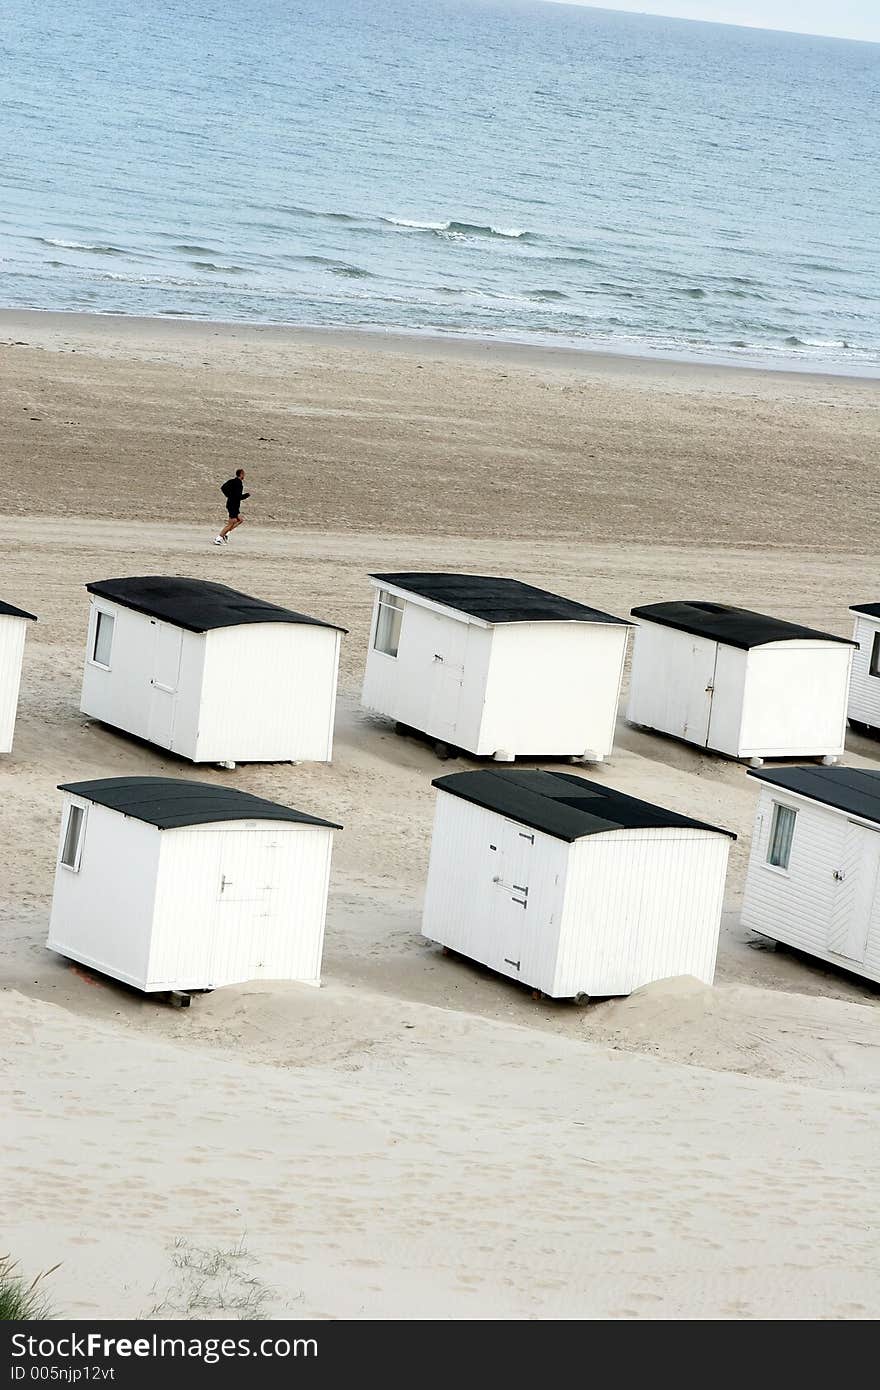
847, 19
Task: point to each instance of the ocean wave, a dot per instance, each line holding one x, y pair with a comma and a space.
294, 210
617, 290
525, 299
417, 226
96, 248
476, 229
450, 229
840, 344
463, 230
158, 282
336, 267
589, 261
825, 266
193, 249
213, 266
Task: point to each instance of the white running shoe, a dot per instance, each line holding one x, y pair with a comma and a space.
218, 540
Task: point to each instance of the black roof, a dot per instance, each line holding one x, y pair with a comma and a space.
855, 790
196, 604
736, 627
8, 610
169, 802
872, 609
497, 600
563, 805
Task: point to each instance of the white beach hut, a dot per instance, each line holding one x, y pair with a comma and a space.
209, 673
864, 682
170, 885
494, 667
570, 886
13, 629
739, 682
813, 879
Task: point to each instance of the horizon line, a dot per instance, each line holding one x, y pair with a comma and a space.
714, 23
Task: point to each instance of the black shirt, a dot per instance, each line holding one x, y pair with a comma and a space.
234, 491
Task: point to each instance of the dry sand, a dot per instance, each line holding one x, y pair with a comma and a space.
419, 1138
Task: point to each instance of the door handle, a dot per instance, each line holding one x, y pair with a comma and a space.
437, 656
512, 887
710, 688
839, 875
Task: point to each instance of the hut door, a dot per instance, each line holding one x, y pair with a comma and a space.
512, 882
695, 678
855, 891
164, 682
447, 677
247, 904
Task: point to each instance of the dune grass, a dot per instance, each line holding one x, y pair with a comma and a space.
211, 1281
21, 1300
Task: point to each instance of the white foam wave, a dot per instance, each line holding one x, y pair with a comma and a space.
419, 226
457, 229
78, 245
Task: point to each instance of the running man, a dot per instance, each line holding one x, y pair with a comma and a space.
234, 492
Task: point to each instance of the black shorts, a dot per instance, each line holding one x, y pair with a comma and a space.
233, 508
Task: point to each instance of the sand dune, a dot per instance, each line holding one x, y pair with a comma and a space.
826, 1043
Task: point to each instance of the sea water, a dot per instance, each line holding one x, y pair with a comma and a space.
523, 170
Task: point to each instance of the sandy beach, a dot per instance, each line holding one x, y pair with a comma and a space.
420, 1139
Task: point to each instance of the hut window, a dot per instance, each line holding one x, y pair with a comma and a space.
103, 638
72, 848
875, 655
781, 832
388, 623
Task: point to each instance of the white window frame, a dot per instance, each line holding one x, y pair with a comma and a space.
394, 603
777, 807
93, 661
77, 858
874, 657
